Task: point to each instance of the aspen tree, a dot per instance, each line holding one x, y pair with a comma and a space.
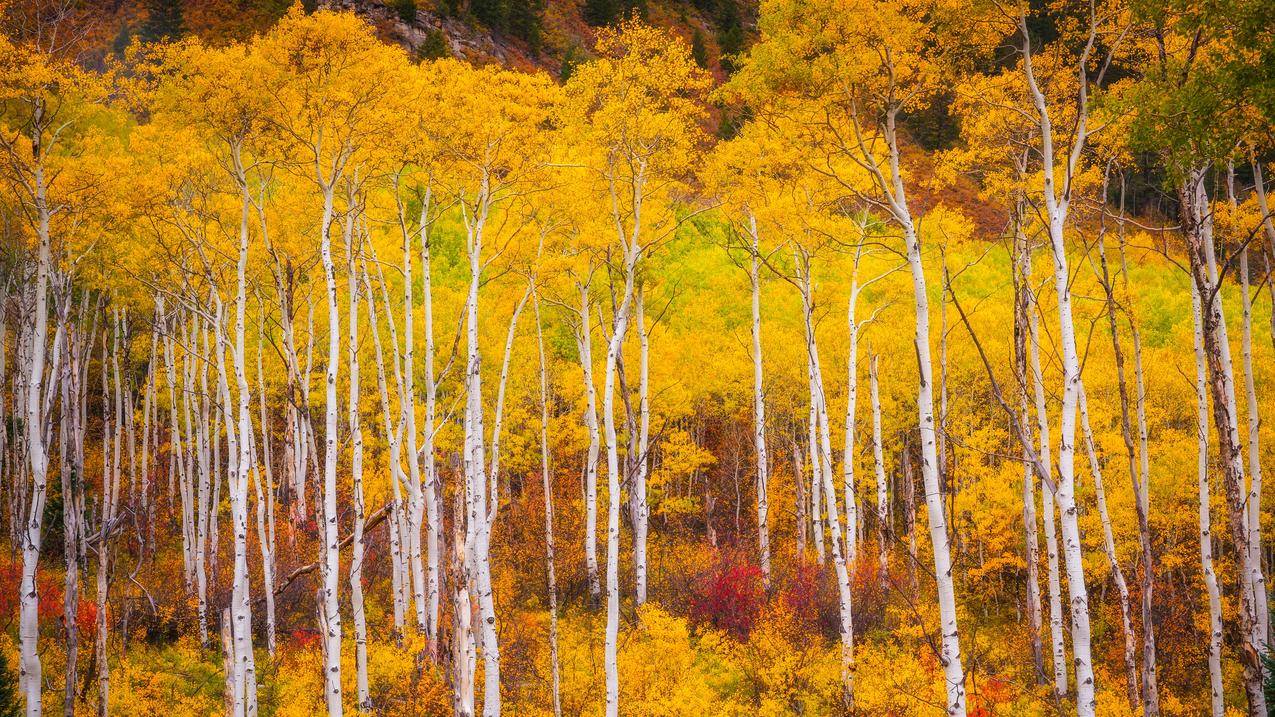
636, 108
329, 108
547, 486
38, 89
1187, 145
884, 534
884, 62
1050, 506
1057, 200
1216, 687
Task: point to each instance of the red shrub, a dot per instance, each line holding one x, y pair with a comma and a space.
729, 597
51, 595
305, 638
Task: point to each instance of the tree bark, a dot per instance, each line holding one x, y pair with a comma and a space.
1216, 687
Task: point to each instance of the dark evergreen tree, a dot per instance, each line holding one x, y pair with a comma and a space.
730, 34
9, 706
525, 22
164, 21
570, 59
122, 40
1268, 684
434, 46
698, 50
492, 13
601, 12
406, 10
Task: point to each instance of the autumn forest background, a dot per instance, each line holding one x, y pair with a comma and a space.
642, 357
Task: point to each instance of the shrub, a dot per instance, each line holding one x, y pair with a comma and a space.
729, 597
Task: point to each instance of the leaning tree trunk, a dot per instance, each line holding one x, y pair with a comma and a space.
1109, 547
950, 646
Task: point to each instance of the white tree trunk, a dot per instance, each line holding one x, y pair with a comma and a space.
265, 508
852, 400
953, 669
843, 593
759, 411
641, 512
427, 498
547, 486
584, 339
330, 607
1109, 547
356, 466
1198, 228
1056, 210
1254, 502
883, 485
37, 455
631, 253
893, 190
1050, 497
481, 501
1216, 688
399, 574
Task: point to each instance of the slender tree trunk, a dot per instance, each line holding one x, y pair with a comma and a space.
1050, 498
585, 341
421, 497
356, 464
265, 509
547, 484
78, 350
113, 408
464, 652
330, 607
950, 650
759, 410
1137, 477
1198, 230
843, 593
399, 577
430, 494
852, 400
481, 500
641, 512
1109, 547
1216, 688
1057, 202
1254, 501
242, 445
883, 487
1022, 330
632, 251
37, 452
